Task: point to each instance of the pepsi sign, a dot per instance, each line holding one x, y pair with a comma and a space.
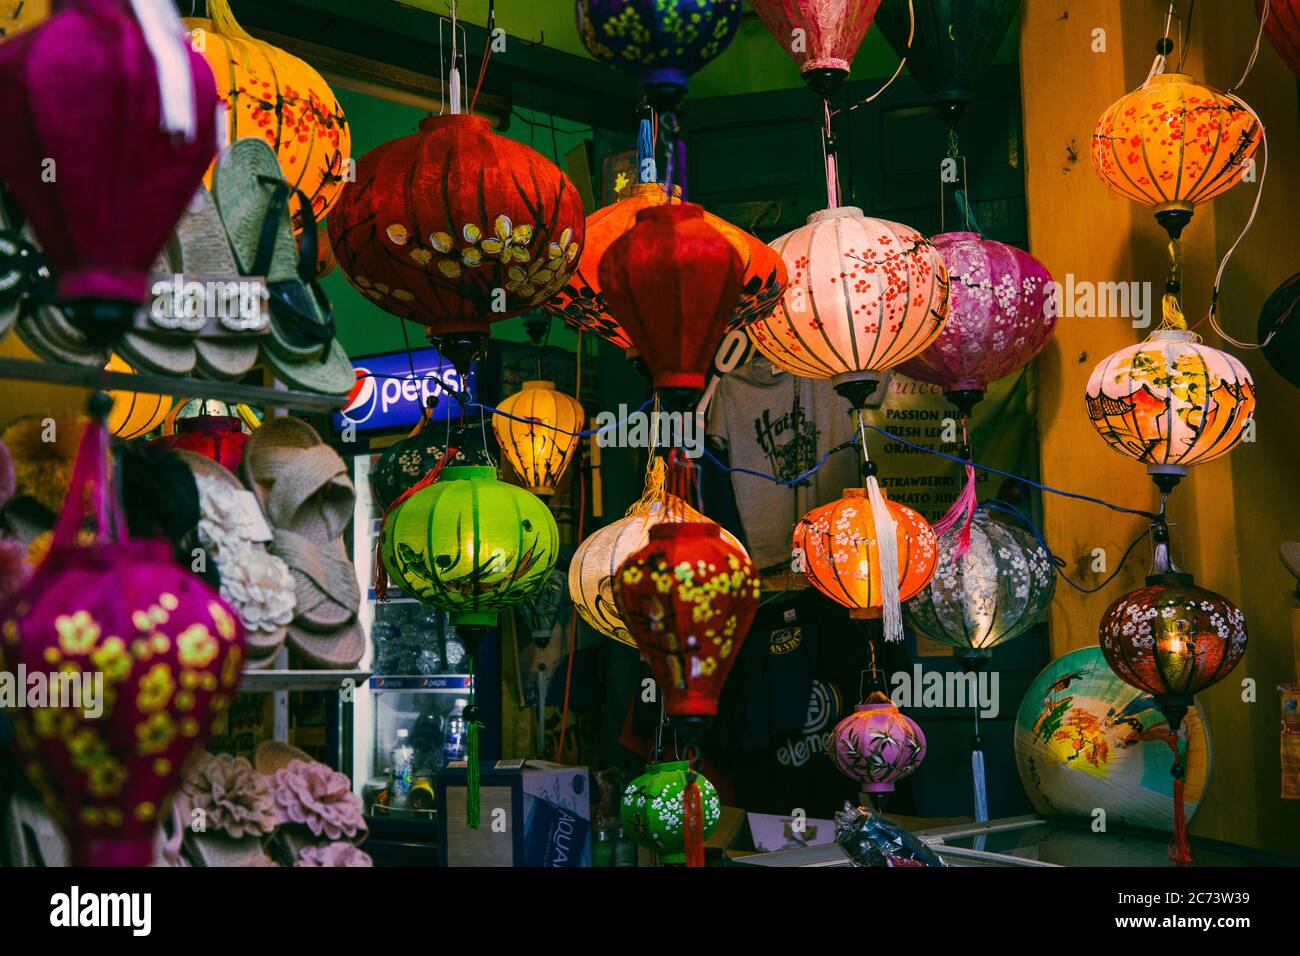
387, 394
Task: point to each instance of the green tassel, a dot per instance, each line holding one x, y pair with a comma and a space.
471, 755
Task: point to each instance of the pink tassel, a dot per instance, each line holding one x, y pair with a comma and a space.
961, 512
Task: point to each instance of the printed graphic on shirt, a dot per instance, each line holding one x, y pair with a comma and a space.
785, 639
824, 703
789, 441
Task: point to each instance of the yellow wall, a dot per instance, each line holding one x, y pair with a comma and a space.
1234, 513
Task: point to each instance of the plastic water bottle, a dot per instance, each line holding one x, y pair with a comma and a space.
402, 764
453, 744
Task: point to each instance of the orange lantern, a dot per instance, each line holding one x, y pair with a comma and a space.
836, 546
1174, 143
582, 305
273, 95
537, 428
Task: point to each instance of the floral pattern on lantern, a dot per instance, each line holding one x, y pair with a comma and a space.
470, 544
1171, 401
835, 546
864, 294
998, 314
539, 449
651, 809
876, 745
582, 304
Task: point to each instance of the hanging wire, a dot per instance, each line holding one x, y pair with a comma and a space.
911, 32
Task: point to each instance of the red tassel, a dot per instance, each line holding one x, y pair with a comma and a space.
381, 572
1180, 852
692, 822
962, 510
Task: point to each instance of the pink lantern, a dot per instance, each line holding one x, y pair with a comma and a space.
108, 126
820, 35
876, 745
999, 317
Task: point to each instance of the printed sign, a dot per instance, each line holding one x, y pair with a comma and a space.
388, 394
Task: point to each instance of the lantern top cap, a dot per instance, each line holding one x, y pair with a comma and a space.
539, 383
462, 472
684, 529
646, 189
1162, 79
1173, 335
668, 766
837, 212
670, 211
861, 493
960, 235
448, 120
871, 705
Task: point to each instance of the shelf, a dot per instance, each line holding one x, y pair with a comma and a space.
269, 681
235, 392
421, 682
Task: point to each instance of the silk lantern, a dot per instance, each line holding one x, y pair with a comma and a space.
167, 648
1283, 29
108, 129
1280, 318
1000, 315
1170, 402
581, 303
272, 95
838, 548
865, 295
660, 42
134, 414
456, 227
1172, 639
652, 814
673, 281
219, 437
876, 745
688, 598
540, 435
1174, 143
822, 36
405, 462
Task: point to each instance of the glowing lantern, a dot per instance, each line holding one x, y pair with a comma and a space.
219, 437
1283, 29
1170, 402
1174, 143
582, 304
876, 745
456, 227
820, 35
134, 413
673, 281
688, 598
837, 547
168, 650
864, 295
651, 809
84, 96
539, 449
272, 95
998, 317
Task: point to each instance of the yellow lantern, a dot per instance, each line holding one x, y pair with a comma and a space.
19, 15
1174, 143
272, 95
134, 413
539, 449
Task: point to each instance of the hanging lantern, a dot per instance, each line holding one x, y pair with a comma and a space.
539, 449
1280, 318
651, 809
876, 745
953, 43
134, 414
272, 95
167, 648
660, 42
126, 137
469, 544
1170, 402
994, 592
408, 460
673, 281
837, 547
688, 598
822, 36
1172, 640
999, 317
865, 295
582, 304
598, 558
219, 437
456, 227
1283, 29
1174, 143
18, 15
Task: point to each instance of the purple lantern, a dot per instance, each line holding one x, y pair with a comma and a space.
999, 317
876, 745
108, 120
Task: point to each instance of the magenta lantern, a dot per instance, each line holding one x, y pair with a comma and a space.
1000, 315
876, 745
108, 126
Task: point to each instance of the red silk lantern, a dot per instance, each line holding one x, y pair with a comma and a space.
145, 641
456, 227
672, 281
219, 437
1283, 29
820, 35
83, 92
688, 598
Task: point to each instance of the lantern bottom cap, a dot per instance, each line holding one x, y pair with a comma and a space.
878, 788
473, 618
1179, 470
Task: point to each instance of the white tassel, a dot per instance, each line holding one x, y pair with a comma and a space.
887, 551
455, 91
981, 790
168, 43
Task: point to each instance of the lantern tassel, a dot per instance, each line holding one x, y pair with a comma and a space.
692, 821
381, 572
472, 727
887, 549
1180, 851
168, 43
963, 509
978, 779
645, 153
1171, 311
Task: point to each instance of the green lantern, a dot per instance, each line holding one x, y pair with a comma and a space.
470, 544
651, 811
